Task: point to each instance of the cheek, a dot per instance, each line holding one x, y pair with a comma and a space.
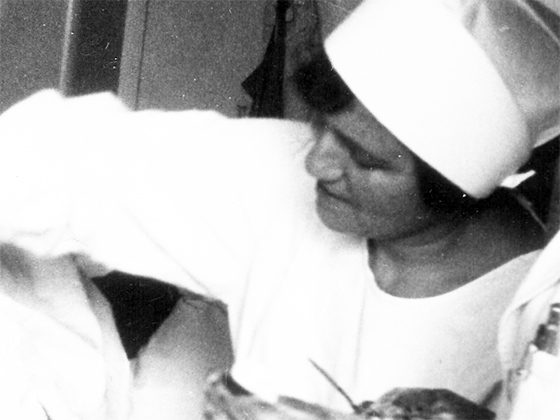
395, 200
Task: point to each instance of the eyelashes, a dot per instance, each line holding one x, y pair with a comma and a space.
366, 161
363, 159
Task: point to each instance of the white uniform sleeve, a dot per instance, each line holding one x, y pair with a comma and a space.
177, 196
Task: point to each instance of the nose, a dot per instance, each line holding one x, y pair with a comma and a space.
325, 160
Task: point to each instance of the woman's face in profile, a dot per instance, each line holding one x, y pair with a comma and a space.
366, 179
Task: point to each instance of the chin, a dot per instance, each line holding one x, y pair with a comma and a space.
339, 223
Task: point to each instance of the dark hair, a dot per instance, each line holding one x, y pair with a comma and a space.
324, 91
321, 87
442, 196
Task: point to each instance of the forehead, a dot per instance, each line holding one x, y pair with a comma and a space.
357, 123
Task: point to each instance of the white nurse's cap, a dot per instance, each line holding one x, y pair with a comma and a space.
470, 86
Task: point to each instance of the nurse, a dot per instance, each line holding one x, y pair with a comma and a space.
431, 71
376, 244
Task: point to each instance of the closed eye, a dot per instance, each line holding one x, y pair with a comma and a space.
364, 160
361, 157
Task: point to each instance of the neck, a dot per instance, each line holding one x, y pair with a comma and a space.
391, 259
427, 244
448, 254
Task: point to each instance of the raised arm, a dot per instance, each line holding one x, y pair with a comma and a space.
177, 196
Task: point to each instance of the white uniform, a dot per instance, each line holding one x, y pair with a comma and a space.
532, 388
225, 208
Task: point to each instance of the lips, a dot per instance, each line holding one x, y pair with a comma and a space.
322, 189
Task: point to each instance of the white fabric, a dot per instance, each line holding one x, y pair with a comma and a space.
225, 208
436, 342
60, 353
171, 372
469, 86
449, 332
532, 386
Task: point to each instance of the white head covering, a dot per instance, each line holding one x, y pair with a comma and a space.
470, 86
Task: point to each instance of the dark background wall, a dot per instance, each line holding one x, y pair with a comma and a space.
185, 54
31, 39
196, 53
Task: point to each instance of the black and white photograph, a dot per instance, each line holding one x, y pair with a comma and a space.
280, 209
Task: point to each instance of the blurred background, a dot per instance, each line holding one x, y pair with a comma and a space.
170, 54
